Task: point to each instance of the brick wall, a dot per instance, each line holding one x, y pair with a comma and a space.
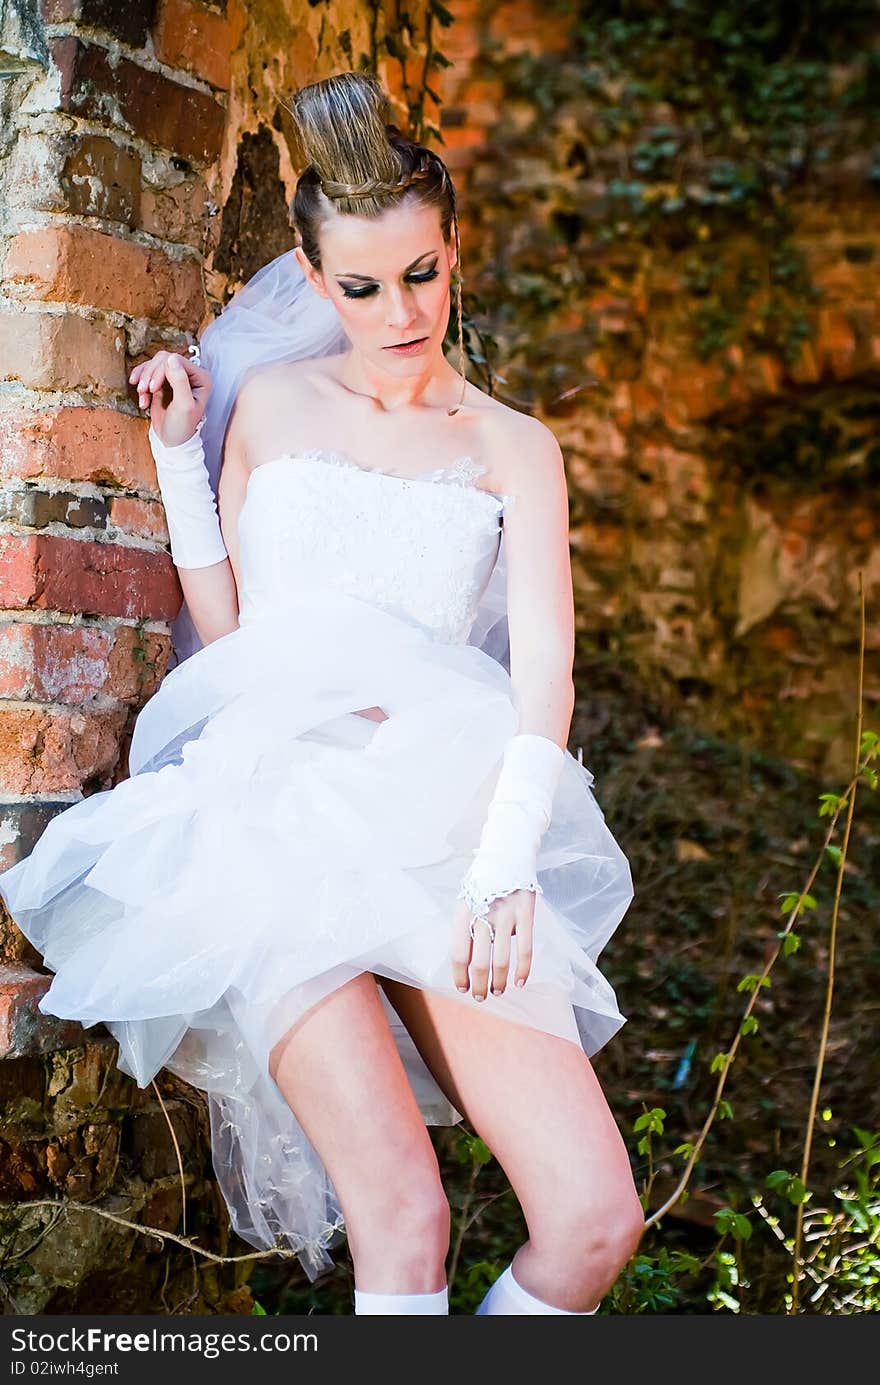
722, 507
145, 170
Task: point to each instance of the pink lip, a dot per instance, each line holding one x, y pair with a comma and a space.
402, 345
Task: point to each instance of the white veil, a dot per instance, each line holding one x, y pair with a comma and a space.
277, 316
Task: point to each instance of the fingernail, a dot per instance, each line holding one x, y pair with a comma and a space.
520, 981
496, 990
479, 997
463, 989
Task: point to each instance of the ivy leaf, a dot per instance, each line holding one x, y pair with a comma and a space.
753, 982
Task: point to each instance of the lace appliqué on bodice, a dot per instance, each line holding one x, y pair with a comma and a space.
464, 471
423, 546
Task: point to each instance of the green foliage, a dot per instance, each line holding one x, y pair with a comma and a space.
653, 1283
470, 1149
691, 130
787, 1185
731, 1223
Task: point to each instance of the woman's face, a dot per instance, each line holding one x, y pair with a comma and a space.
389, 280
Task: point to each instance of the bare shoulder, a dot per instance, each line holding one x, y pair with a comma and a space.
262, 394
523, 453
291, 377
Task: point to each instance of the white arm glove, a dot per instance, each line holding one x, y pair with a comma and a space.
190, 508
519, 815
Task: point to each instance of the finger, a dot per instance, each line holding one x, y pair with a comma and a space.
156, 407
481, 960
460, 951
501, 956
178, 378
148, 373
524, 931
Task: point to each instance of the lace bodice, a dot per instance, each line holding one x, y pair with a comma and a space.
421, 546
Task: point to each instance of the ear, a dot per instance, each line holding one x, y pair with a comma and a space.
312, 275
450, 251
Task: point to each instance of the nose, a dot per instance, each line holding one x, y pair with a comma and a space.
401, 309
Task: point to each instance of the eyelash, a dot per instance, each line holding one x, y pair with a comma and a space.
368, 292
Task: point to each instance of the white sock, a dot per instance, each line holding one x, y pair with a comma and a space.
437, 1303
508, 1296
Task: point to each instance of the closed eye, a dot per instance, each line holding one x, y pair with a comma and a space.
371, 288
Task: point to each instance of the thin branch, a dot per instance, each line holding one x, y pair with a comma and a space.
846, 800
832, 953
68, 1206
177, 1152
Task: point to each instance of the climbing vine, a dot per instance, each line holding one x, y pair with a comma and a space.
689, 131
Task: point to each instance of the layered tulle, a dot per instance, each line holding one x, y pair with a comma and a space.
270, 844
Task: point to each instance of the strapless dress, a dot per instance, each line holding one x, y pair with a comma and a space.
271, 842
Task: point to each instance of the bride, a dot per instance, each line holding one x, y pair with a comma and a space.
355, 884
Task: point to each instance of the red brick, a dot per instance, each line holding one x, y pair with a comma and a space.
74, 264
146, 518
24, 1029
102, 178
72, 663
48, 572
78, 444
177, 118
46, 751
62, 351
188, 35
124, 20
176, 213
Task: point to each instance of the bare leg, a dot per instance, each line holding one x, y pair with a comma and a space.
339, 1071
536, 1101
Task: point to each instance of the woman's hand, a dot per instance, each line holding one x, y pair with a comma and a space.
175, 391
513, 914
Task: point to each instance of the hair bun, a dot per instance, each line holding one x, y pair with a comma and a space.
342, 125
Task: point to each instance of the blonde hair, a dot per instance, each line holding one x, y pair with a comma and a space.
360, 162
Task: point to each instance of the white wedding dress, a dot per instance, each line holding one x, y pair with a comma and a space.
270, 843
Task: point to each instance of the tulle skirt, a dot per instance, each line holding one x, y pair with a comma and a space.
270, 844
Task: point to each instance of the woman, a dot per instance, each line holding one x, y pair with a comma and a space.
355, 884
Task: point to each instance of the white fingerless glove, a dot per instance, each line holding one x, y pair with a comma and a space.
190, 507
519, 815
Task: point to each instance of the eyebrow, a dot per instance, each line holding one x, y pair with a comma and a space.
370, 279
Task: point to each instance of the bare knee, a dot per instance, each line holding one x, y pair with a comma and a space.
586, 1241
398, 1235
599, 1239
404, 1210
